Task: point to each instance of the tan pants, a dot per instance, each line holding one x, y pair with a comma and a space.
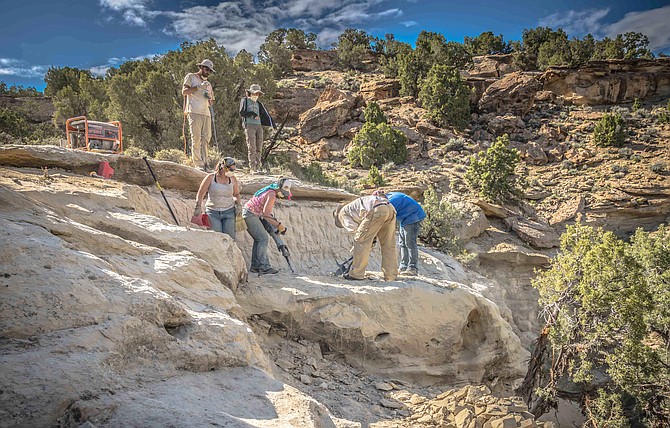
254, 144
380, 223
201, 132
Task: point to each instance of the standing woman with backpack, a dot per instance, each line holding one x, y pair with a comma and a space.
223, 194
254, 117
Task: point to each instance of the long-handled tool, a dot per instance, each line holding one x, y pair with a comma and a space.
281, 246
161, 190
216, 140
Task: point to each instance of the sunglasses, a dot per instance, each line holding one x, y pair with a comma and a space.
206, 68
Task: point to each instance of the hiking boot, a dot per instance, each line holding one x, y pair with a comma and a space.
351, 278
410, 272
268, 271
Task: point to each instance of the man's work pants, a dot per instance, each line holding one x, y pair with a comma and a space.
254, 135
201, 132
379, 223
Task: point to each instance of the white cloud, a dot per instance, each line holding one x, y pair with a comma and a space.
15, 67
134, 11
101, 70
653, 23
124, 4
408, 23
577, 23
244, 24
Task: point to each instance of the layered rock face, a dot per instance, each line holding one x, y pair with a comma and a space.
313, 60
34, 109
610, 82
595, 83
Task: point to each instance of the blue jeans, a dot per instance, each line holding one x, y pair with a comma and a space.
409, 251
259, 251
223, 221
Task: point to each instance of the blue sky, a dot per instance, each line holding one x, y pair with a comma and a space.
97, 34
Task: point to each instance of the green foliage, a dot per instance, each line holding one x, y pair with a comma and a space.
446, 97
438, 228
607, 304
17, 129
13, 123
58, 78
314, 174
375, 178
135, 152
374, 114
486, 44
637, 104
411, 71
88, 97
376, 144
431, 49
18, 91
171, 155
610, 131
352, 47
664, 114
491, 172
276, 51
391, 49
542, 47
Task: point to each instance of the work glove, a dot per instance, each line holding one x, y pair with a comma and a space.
284, 251
281, 229
197, 211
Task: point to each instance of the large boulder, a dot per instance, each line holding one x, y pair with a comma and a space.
537, 234
134, 170
376, 90
514, 94
333, 109
313, 60
294, 102
492, 66
609, 82
100, 298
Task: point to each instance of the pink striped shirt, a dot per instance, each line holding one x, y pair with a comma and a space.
257, 203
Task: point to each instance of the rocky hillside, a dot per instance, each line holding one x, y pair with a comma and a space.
114, 316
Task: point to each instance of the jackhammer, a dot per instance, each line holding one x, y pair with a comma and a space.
281, 246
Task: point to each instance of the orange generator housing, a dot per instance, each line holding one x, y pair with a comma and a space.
92, 136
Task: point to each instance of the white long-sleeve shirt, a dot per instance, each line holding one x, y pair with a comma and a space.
352, 214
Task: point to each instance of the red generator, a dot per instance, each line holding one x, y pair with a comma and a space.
92, 136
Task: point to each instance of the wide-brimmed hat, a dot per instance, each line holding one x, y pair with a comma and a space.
336, 215
207, 63
255, 89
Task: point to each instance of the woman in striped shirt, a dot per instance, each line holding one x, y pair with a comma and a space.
259, 209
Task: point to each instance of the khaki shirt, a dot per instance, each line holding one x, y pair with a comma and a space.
197, 102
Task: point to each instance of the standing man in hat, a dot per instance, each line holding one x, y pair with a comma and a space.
254, 117
198, 95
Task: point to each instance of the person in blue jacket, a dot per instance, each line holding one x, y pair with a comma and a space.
409, 218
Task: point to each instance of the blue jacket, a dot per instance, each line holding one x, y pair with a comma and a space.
409, 211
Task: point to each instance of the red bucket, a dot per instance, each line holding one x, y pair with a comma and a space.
105, 170
201, 220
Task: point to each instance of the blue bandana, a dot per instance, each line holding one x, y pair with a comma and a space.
273, 186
